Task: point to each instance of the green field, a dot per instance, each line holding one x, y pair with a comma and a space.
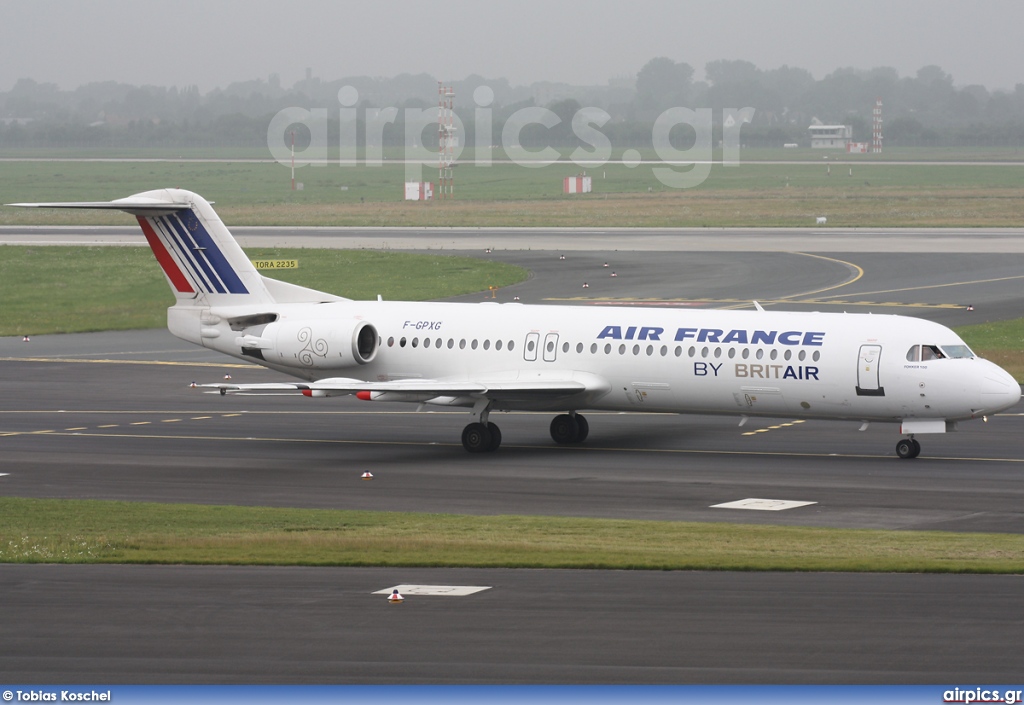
83, 531
122, 288
752, 194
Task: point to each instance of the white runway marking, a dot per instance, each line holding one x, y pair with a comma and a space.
764, 505
445, 590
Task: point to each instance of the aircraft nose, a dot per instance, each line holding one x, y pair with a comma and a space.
998, 389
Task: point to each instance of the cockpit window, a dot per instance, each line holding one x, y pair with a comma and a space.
957, 351
917, 353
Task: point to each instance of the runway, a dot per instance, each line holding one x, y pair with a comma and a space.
169, 624
111, 416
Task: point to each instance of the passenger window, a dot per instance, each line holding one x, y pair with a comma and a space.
497, 345
487, 345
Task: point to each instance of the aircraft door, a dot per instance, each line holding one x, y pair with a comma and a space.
868, 383
550, 347
530, 349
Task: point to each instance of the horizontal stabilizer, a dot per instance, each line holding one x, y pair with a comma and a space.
135, 205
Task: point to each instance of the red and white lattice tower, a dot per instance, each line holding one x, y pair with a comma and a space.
876, 128
446, 139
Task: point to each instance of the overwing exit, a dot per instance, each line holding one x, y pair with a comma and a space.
562, 359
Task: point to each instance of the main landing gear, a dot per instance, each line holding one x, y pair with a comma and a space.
569, 428
481, 437
908, 448
485, 437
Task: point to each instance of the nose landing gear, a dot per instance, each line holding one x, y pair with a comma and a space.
908, 448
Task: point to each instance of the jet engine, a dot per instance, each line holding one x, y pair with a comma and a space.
315, 344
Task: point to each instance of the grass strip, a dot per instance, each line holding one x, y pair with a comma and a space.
79, 289
92, 531
850, 193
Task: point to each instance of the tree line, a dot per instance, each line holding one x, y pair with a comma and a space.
926, 109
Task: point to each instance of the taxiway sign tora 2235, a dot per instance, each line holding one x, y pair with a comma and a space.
564, 359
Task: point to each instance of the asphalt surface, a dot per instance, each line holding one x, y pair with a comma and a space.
111, 416
167, 624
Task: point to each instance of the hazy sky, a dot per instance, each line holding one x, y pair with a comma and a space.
214, 42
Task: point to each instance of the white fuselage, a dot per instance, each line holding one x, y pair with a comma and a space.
806, 365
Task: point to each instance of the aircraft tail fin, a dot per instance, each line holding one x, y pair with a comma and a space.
198, 255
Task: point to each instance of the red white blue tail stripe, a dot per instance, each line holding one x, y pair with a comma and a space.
188, 254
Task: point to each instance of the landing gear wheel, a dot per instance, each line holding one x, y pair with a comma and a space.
481, 438
568, 428
584, 428
495, 432
476, 438
908, 448
564, 429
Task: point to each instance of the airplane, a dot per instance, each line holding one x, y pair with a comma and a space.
492, 356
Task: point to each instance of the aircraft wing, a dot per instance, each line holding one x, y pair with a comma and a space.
423, 390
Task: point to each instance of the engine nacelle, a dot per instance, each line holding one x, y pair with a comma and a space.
320, 344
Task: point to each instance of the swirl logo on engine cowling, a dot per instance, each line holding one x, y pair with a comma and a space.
311, 347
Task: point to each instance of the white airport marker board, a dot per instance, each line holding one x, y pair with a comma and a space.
434, 590
764, 505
